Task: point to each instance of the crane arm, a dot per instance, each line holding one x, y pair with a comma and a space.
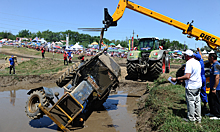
211, 40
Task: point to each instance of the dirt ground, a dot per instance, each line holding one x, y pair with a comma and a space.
134, 91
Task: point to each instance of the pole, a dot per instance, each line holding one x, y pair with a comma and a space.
101, 37
67, 41
133, 41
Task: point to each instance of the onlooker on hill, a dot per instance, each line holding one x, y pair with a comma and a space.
203, 94
193, 85
65, 55
12, 64
214, 95
42, 52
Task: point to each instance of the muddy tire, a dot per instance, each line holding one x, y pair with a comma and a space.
98, 104
131, 69
156, 68
167, 64
68, 75
35, 98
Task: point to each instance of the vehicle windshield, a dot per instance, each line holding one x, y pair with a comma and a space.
146, 44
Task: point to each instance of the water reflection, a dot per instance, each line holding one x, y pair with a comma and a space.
117, 108
12, 97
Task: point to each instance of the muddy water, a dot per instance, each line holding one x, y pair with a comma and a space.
117, 115
117, 107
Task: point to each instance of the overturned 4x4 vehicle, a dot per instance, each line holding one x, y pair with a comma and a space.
90, 83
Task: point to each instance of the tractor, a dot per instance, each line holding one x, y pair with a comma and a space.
149, 60
86, 87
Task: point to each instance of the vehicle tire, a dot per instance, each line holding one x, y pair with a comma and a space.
99, 103
31, 108
68, 75
131, 69
156, 68
167, 64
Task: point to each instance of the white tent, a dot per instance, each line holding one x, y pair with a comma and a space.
118, 46
204, 52
58, 43
212, 52
76, 47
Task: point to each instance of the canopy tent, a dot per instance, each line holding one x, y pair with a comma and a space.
76, 47
179, 53
59, 43
94, 43
118, 46
56, 47
35, 39
121, 50
112, 44
212, 52
113, 50
204, 52
170, 52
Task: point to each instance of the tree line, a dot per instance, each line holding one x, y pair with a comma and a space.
83, 39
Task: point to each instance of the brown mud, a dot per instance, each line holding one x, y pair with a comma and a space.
119, 113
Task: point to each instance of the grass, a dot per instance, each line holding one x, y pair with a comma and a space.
2, 56
37, 67
177, 61
166, 106
34, 52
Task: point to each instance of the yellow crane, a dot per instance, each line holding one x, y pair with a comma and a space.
188, 29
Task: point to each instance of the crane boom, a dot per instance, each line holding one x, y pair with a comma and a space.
191, 31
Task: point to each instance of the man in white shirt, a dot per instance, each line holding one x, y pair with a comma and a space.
193, 86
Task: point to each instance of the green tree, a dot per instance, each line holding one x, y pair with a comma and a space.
24, 34
7, 35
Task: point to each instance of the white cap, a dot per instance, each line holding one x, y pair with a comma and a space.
188, 52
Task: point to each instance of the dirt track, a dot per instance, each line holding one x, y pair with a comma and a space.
118, 114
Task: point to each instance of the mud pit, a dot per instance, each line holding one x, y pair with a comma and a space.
117, 114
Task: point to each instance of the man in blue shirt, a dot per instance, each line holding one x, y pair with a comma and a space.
70, 58
214, 95
12, 64
203, 93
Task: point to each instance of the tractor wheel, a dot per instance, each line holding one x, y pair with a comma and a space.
167, 64
131, 69
99, 103
156, 68
35, 98
67, 76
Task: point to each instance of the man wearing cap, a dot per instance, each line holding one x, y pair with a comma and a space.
12, 64
203, 93
193, 85
214, 95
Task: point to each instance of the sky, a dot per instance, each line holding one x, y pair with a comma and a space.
57, 15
